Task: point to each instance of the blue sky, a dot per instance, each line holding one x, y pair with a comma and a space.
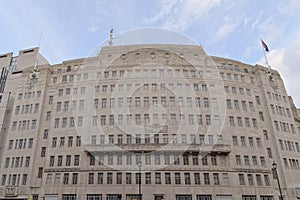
226, 28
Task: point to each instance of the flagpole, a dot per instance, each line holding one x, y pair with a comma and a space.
37, 55
265, 54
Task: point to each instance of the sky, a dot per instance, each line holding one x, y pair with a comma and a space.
225, 28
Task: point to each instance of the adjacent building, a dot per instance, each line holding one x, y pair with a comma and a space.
146, 121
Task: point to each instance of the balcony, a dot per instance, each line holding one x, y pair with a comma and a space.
146, 148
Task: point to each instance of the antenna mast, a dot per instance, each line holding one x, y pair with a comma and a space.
110, 42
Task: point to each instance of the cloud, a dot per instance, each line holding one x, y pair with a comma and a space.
224, 30
181, 14
289, 8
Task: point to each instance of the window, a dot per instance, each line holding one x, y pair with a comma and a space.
100, 178
69, 197
206, 179
27, 161
40, 172
81, 104
241, 179
24, 180
128, 178
157, 178
91, 178
238, 159
269, 150
258, 179
267, 198
231, 120
225, 179
195, 159
250, 179
109, 178
228, 103
267, 180
183, 197
213, 159
248, 197
236, 105
74, 178
56, 123
206, 103
43, 152
208, 119
243, 141
216, 179
76, 160
240, 122
257, 100
177, 179
262, 161
167, 178
187, 178
204, 197
234, 140
254, 160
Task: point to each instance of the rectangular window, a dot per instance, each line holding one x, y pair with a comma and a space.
206, 179
91, 178
109, 178
241, 179
187, 179
128, 178
216, 179
69, 197
40, 172
177, 179
100, 178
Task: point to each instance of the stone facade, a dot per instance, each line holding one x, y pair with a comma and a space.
163, 121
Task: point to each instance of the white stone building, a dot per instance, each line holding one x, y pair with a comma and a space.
186, 125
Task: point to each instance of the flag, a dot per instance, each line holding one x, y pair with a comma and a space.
265, 46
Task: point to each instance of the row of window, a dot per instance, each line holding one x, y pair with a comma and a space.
14, 179
62, 141
16, 162
235, 77
20, 143
284, 127
171, 101
280, 111
167, 178
25, 109
277, 97
235, 90
23, 125
159, 159
236, 105
247, 160
290, 163
240, 122
289, 145
137, 73
174, 119
156, 139
154, 86
146, 102
68, 160
29, 95
156, 197
245, 142
251, 179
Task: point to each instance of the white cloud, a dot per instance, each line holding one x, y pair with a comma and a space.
181, 14
290, 7
224, 30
